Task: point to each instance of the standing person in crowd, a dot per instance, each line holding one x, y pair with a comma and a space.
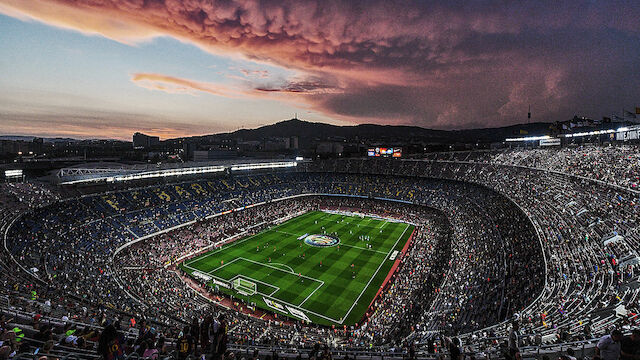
110, 344
204, 335
214, 329
586, 331
144, 334
185, 344
161, 345
630, 346
221, 338
514, 349
8, 344
195, 334
454, 348
151, 352
608, 347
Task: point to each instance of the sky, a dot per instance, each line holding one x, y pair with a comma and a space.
108, 68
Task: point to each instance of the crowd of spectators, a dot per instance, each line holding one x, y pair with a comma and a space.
484, 225
619, 164
616, 164
573, 217
83, 250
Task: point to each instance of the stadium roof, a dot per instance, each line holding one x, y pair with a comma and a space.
113, 172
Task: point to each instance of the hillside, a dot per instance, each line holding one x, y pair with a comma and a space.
306, 130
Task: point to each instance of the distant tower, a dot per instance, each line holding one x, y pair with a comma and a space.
529, 115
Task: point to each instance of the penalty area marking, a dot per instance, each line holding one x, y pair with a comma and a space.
258, 281
271, 296
279, 269
285, 265
320, 282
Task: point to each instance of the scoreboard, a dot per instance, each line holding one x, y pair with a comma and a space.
385, 152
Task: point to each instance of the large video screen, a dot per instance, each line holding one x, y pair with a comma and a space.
385, 152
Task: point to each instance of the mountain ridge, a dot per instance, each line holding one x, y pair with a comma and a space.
318, 130
322, 131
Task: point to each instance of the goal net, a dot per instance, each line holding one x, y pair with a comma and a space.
244, 287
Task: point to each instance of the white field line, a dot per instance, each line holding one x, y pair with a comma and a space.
192, 268
198, 258
307, 298
223, 265
363, 248
343, 244
285, 265
235, 277
279, 269
374, 275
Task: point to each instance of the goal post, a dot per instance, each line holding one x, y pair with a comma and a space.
244, 286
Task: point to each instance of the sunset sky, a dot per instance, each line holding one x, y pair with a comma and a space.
104, 69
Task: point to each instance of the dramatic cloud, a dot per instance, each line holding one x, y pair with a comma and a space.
176, 85
431, 63
310, 85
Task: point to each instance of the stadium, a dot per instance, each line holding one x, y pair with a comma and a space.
366, 257
319, 180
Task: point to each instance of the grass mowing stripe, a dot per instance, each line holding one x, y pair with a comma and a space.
239, 241
355, 302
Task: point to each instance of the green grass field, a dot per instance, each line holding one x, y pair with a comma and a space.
307, 282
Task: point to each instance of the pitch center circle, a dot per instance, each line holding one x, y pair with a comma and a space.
321, 240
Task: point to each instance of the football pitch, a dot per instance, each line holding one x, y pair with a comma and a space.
322, 267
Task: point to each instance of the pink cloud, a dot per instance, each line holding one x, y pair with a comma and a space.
484, 59
263, 74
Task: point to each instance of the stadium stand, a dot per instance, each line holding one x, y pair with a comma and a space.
545, 239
